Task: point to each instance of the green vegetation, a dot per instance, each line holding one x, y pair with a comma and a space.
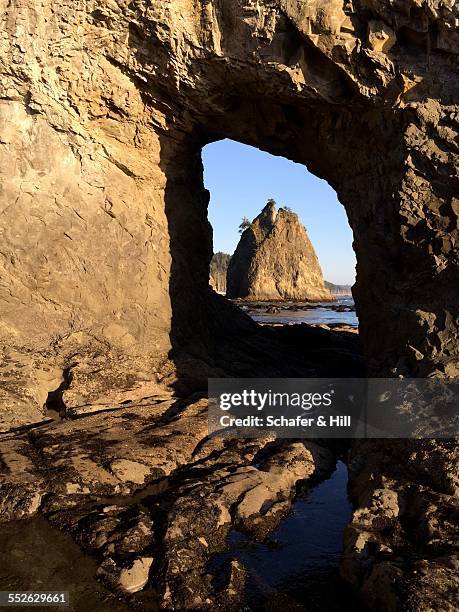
246, 223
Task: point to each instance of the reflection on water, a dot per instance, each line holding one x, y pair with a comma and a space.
297, 569
317, 314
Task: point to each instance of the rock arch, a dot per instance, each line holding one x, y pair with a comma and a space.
104, 108
104, 111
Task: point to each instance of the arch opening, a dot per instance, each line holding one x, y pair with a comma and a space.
242, 181
316, 138
289, 266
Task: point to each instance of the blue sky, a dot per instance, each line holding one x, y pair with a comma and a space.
241, 179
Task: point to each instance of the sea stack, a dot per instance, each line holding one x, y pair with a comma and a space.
275, 260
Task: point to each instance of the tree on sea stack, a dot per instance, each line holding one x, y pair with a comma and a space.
244, 224
275, 260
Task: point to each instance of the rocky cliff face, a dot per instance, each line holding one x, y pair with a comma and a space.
275, 260
104, 107
217, 273
339, 289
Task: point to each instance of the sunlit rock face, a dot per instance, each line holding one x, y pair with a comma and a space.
275, 260
217, 273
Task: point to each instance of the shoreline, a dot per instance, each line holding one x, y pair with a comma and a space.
326, 314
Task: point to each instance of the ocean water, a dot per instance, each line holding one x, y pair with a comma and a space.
297, 568
314, 314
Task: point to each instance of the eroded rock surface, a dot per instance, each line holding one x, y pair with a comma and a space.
105, 240
147, 493
143, 490
401, 545
275, 260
